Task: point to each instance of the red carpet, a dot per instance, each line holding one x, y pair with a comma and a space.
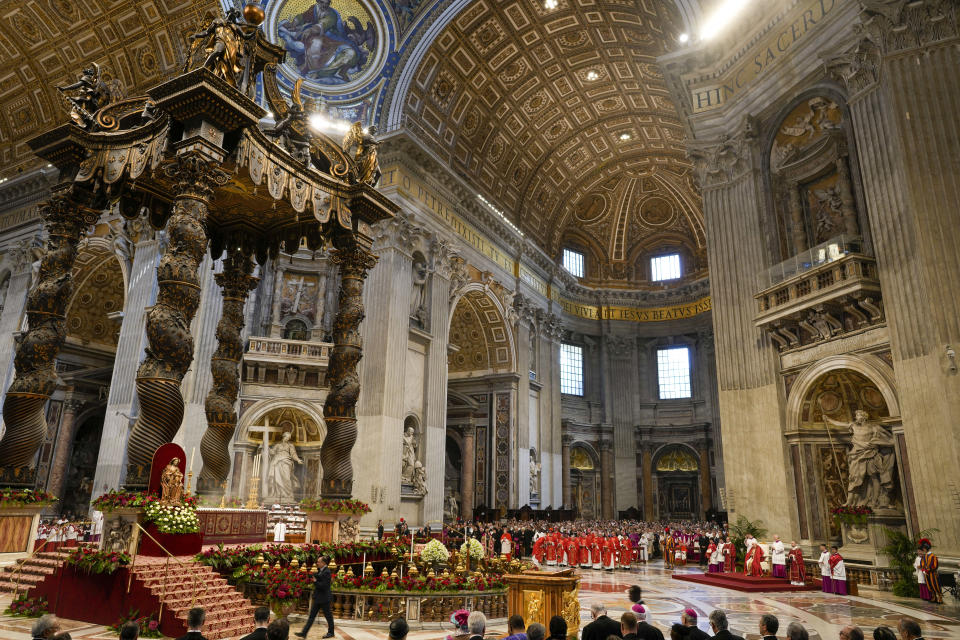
740, 582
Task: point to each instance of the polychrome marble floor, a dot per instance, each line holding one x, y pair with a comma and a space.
823, 615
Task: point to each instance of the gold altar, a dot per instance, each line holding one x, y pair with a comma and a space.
540, 595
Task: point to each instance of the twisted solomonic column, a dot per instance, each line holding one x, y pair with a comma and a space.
235, 283
37, 349
170, 348
339, 410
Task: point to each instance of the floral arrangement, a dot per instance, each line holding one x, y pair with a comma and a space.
421, 584
234, 559
355, 507
851, 515
285, 584
434, 552
27, 607
20, 497
132, 500
149, 625
177, 518
475, 549
92, 561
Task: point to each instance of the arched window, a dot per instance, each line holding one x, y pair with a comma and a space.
296, 330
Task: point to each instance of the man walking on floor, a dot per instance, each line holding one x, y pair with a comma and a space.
321, 599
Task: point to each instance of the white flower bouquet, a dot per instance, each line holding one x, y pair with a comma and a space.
434, 553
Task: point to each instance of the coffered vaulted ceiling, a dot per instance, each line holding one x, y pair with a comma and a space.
45, 43
562, 118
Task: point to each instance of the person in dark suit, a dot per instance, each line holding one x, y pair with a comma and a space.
689, 619
602, 626
704, 542
261, 618
320, 600
379, 529
130, 631
718, 622
634, 628
195, 619
768, 626
558, 628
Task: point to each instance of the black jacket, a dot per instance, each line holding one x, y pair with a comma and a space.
647, 631
600, 629
696, 633
258, 634
726, 635
192, 635
321, 586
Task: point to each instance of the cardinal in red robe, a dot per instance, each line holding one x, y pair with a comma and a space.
798, 572
729, 557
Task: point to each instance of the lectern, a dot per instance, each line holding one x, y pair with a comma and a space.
540, 595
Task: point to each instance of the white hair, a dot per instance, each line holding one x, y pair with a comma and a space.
477, 623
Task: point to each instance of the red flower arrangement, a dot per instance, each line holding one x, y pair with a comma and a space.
93, 561
355, 507
27, 607
20, 497
132, 500
284, 584
851, 515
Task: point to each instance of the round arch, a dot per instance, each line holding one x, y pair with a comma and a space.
870, 366
681, 447
496, 333
256, 413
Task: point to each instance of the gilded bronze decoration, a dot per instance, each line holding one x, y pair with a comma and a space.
89, 95
224, 41
235, 282
170, 349
189, 156
365, 141
292, 131
339, 410
38, 347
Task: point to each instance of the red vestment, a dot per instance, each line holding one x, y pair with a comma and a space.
729, 557
539, 550
751, 564
798, 572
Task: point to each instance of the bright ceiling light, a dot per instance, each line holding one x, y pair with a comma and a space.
269, 114
624, 137
321, 123
549, 4
722, 17
683, 37
592, 75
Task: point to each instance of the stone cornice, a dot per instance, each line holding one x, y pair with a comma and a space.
28, 188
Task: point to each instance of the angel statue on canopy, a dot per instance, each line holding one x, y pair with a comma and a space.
292, 131
368, 167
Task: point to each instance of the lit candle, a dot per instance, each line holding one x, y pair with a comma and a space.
364, 562
192, 453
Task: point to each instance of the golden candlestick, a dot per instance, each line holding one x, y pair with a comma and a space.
254, 488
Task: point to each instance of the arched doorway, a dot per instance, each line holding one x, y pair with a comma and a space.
481, 399
585, 481
677, 482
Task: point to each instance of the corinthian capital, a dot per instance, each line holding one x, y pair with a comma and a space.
195, 176
720, 161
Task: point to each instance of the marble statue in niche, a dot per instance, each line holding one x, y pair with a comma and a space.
871, 462
419, 478
418, 308
409, 456
534, 473
282, 481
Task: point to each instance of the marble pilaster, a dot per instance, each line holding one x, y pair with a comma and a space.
606, 477
434, 437
468, 481
121, 402
565, 457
